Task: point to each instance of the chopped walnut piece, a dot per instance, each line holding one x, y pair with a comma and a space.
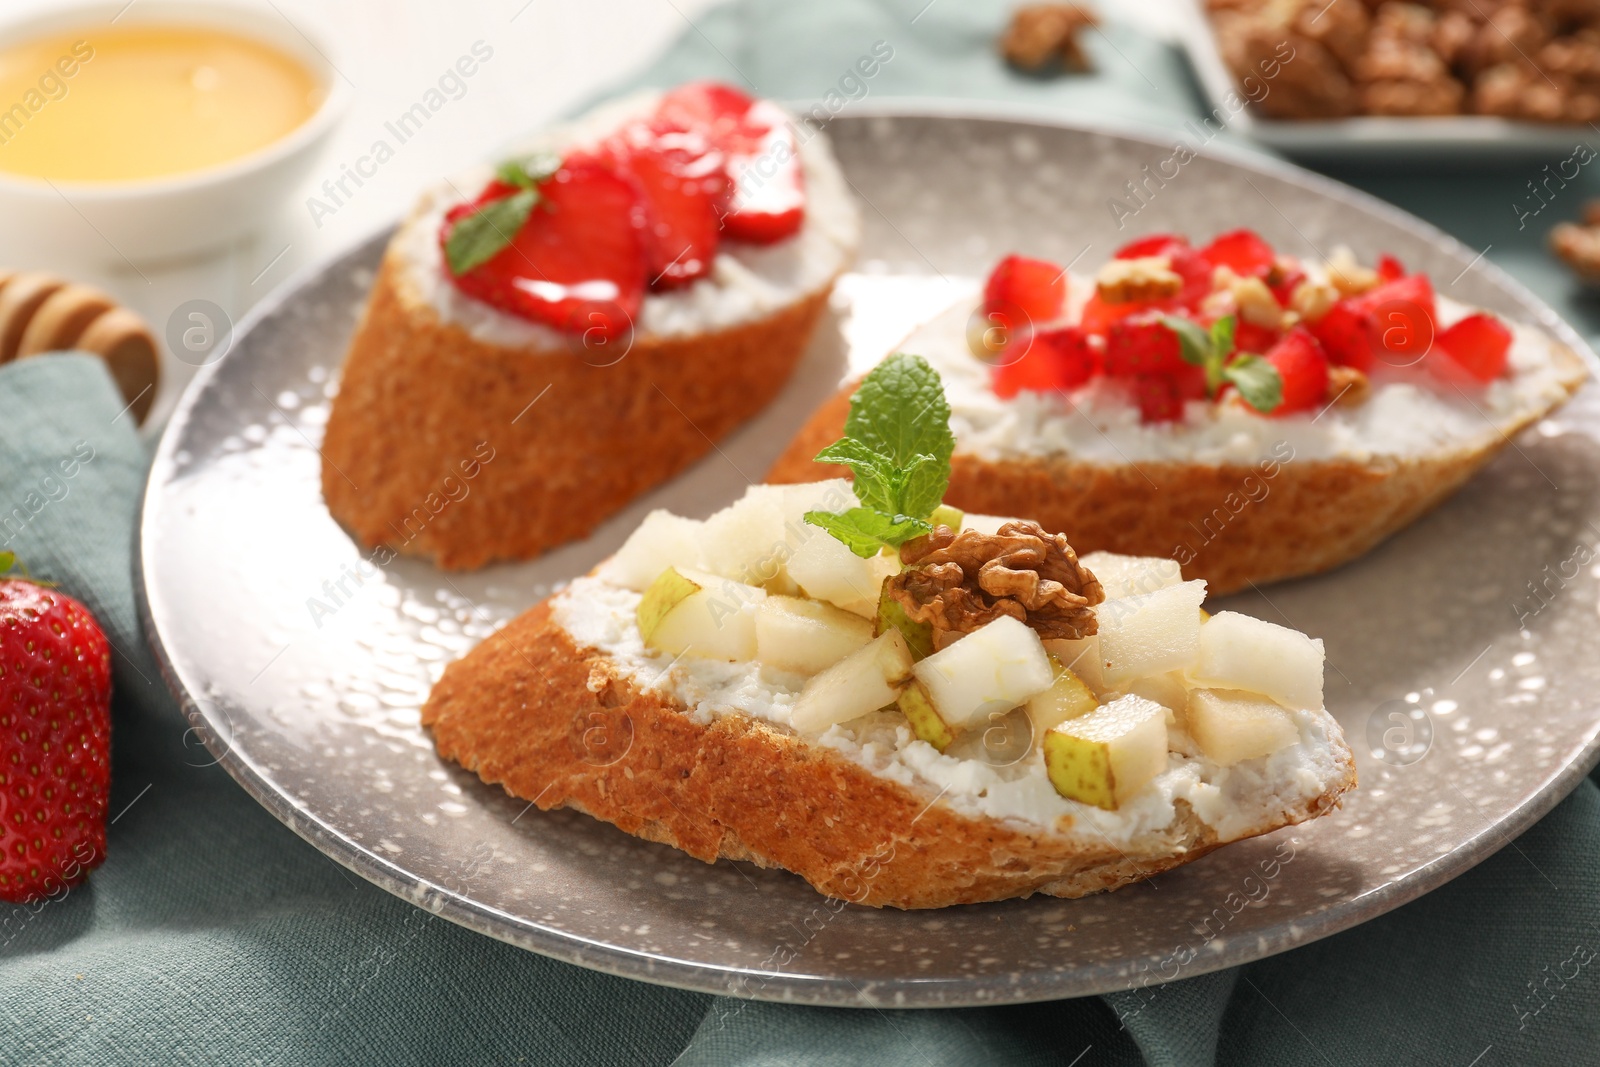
957, 583
1347, 386
1312, 300
1251, 296
1517, 91
1040, 35
1349, 276
1146, 278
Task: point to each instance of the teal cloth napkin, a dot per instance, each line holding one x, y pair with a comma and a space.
215, 935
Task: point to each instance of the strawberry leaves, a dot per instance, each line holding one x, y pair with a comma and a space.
1257, 380
898, 443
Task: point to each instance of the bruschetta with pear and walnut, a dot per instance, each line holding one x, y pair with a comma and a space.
902, 704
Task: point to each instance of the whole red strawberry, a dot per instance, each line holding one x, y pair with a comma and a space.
55, 741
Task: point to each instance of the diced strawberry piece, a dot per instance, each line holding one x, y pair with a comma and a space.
1241, 251
1196, 272
685, 186
1346, 333
1403, 316
579, 262
1155, 244
763, 157
1303, 367
1053, 360
1284, 282
1161, 397
1099, 315
1479, 344
1142, 346
1248, 337
1025, 292
1390, 269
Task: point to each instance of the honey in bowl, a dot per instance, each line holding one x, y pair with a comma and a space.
129, 103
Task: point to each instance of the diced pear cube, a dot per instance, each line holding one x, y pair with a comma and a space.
1151, 633
806, 636
1081, 657
924, 718
866, 680
891, 616
993, 668
1067, 698
692, 613
1107, 756
1230, 726
662, 540
1125, 576
746, 540
832, 494
1241, 652
826, 570
1168, 690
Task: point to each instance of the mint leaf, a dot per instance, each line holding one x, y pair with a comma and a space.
1222, 333
922, 490
900, 412
477, 238
876, 481
866, 531
1257, 381
529, 171
1193, 344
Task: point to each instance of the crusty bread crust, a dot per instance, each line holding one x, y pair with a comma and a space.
1229, 524
422, 402
561, 726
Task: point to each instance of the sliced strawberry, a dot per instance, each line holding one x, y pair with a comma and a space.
1053, 360
1025, 292
1098, 315
578, 264
1161, 397
1142, 345
1479, 344
1390, 269
1346, 332
1303, 367
1155, 244
763, 157
685, 185
1241, 251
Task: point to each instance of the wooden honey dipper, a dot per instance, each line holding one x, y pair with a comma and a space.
41, 313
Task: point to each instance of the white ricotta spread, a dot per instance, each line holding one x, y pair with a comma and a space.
747, 281
1233, 800
1409, 412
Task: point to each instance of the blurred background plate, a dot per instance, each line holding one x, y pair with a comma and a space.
1367, 139
1470, 703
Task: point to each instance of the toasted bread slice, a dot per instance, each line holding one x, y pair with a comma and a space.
1286, 513
561, 723
464, 435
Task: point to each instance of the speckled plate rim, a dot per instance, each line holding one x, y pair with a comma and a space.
210, 723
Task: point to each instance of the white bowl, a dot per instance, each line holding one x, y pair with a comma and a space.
184, 214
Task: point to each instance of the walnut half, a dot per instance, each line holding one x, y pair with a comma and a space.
957, 583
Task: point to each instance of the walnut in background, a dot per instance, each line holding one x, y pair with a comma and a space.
1042, 36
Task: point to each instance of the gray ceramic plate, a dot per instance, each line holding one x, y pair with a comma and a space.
303, 667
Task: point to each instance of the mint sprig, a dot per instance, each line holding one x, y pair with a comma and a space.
477, 238
898, 443
1257, 380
